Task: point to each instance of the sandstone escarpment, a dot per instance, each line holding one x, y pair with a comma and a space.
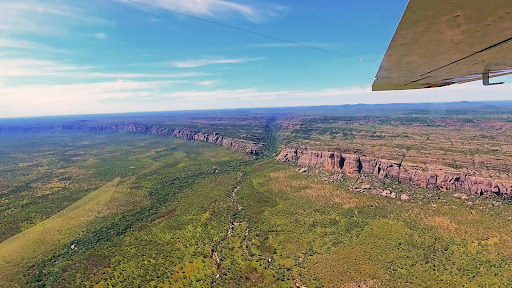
240, 145
429, 177
244, 146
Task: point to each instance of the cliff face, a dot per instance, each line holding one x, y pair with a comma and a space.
353, 165
239, 145
244, 146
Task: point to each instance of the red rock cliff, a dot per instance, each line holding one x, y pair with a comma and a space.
244, 146
240, 145
353, 165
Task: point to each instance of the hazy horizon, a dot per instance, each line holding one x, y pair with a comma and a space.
70, 58
252, 109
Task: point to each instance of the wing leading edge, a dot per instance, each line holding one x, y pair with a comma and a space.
440, 43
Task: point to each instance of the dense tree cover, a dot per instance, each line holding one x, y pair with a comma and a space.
179, 205
42, 173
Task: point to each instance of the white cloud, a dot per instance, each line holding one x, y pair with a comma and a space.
36, 6
22, 19
17, 44
240, 94
13, 43
212, 8
216, 8
279, 7
208, 83
276, 10
101, 36
70, 99
131, 96
42, 68
38, 17
205, 62
100, 75
96, 91
351, 95
255, 93
31, 67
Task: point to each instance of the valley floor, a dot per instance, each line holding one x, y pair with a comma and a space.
149, 211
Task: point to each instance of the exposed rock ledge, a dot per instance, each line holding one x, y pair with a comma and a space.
240, 145
353, 165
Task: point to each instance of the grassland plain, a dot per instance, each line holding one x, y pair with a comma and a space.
44, 172
17, 251
126, 162
185, 214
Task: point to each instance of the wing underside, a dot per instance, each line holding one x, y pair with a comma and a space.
440, 42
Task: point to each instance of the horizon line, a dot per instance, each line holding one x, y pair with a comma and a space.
250, 108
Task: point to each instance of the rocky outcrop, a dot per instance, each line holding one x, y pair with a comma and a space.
30, 128
240, 145
407, 173
244, 146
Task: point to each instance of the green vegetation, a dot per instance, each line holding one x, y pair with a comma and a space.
292, 229
54, 231
43, 173
461, 141
82, 209
151, 173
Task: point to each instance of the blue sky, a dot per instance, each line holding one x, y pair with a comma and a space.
62, 57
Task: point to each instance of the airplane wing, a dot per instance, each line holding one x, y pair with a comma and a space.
441, 42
